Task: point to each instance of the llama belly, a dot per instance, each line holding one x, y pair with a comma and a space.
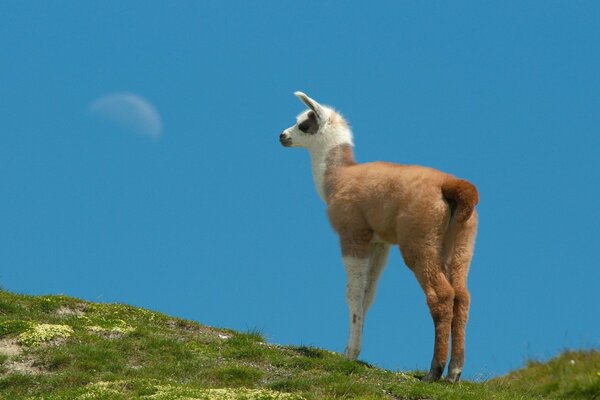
383, 224
381, 237
378, 239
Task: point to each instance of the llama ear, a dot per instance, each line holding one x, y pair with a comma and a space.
312, 104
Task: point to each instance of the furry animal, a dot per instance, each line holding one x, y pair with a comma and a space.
429, 214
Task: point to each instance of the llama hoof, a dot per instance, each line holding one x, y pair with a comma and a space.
351, 354
453, 376
435, 373
453, 379
431, 377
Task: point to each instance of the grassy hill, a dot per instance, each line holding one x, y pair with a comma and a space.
56, 347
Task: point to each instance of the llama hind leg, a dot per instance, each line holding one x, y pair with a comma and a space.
429, 271
459, 269
459, 323
440, 299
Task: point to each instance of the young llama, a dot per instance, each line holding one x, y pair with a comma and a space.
429, 214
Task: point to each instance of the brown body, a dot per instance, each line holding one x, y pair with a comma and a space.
429, 215
394, 203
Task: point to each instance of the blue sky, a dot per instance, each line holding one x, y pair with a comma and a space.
213, 220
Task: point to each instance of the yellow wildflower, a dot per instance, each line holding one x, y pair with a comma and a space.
39, 333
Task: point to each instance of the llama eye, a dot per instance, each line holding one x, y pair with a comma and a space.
304, 126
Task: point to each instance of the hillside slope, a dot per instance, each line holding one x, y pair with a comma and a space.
56, 347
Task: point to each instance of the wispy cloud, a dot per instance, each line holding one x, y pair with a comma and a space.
129, 111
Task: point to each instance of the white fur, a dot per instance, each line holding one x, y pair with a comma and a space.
320, 144
363, 275
357, 270
318, 158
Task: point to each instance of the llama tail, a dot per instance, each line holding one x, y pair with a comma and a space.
462, 197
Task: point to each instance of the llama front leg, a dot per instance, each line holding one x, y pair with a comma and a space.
378, 255
357, 271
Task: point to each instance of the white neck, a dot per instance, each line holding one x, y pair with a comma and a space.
320, 158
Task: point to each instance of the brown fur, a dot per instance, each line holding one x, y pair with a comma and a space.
463, 194
413, 207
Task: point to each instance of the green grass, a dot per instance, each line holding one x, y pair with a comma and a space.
71, 349
572, 375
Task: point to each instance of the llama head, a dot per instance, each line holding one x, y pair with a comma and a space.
316, 128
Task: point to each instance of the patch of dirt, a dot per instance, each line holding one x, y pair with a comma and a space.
185, 326
108, 334
9, 347
57, 341
26, 365
66, 311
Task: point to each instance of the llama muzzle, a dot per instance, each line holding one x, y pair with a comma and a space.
285, 139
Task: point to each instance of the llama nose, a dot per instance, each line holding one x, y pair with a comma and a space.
285, 139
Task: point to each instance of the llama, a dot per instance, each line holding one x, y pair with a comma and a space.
429, 214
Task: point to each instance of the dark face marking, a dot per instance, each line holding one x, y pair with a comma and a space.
310, 124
